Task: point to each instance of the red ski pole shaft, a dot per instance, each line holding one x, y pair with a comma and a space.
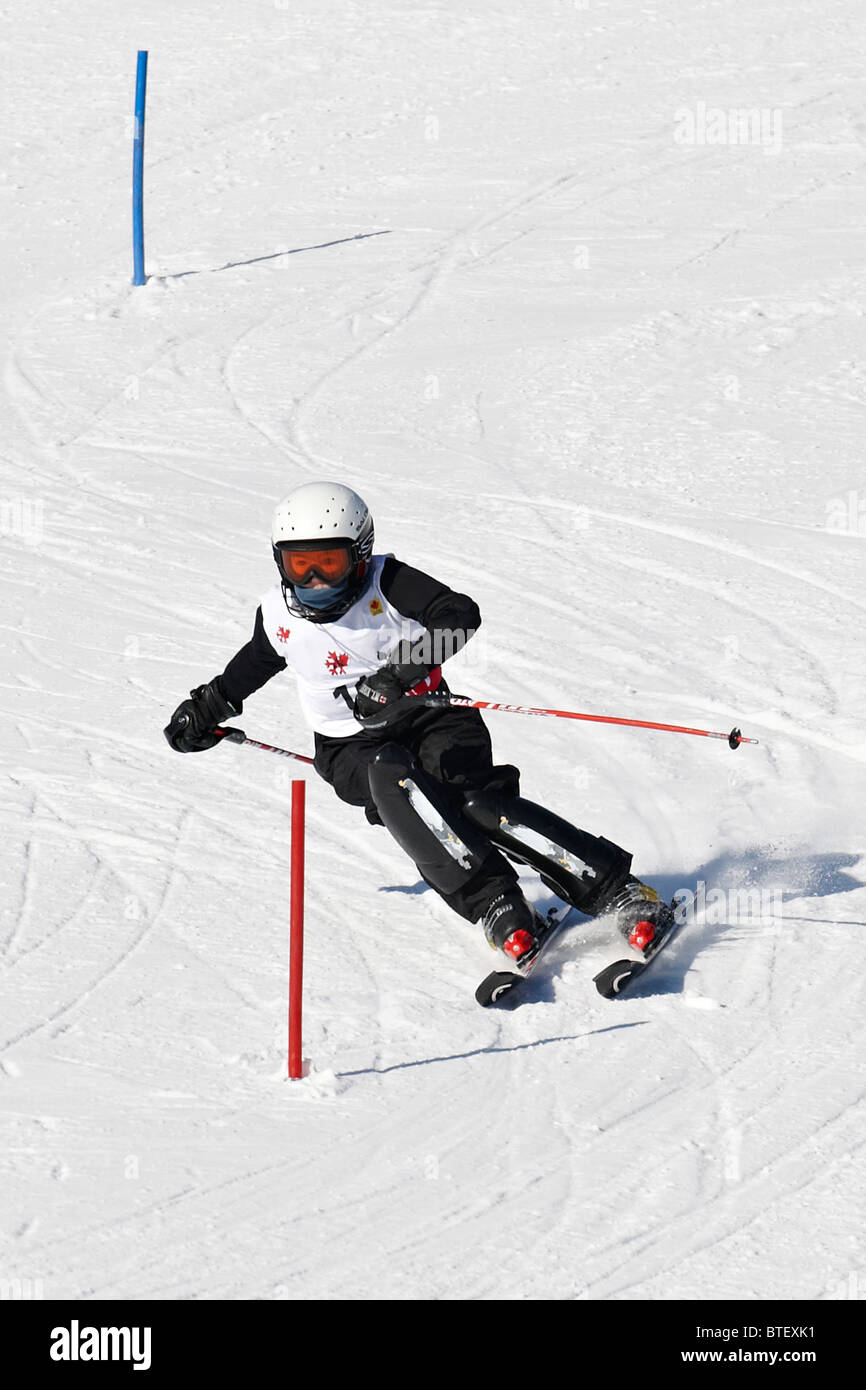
734, 738
238, 736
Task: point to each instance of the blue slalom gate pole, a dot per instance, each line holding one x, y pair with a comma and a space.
138, 275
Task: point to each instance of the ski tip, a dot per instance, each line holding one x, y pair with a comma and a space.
610, 981
497, 986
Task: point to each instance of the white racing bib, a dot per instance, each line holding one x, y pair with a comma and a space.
327, 656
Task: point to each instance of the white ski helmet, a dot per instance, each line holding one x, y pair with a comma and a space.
322, 531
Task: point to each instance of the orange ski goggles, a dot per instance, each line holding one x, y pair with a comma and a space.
330, 563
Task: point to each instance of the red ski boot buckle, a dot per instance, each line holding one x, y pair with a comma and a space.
518, 944
641, 934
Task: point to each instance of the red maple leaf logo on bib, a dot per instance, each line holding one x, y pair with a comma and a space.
336, 662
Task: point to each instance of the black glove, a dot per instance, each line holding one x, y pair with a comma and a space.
381, 698
190, 729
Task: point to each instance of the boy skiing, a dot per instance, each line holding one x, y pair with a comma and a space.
366, 636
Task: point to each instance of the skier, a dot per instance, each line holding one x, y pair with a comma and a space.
366, 636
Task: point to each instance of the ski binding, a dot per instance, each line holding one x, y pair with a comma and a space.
616, 978
502, 984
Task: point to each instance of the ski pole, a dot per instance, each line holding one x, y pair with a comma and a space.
233, 735
734, 738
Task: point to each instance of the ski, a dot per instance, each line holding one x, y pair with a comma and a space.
500, 985
616, 978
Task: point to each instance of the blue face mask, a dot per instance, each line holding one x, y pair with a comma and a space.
321, 598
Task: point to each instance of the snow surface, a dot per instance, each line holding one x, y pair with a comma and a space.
610, 382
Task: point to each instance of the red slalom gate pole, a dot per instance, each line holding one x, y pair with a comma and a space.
296, 931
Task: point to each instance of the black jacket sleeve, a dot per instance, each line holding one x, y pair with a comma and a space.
252, 666
450, 618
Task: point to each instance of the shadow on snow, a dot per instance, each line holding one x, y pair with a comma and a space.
488, 1051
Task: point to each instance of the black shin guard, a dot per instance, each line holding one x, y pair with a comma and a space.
449, 851
583, 869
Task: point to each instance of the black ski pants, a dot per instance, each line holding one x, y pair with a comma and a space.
452, 745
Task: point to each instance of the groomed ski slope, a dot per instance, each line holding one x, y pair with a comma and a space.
485, 264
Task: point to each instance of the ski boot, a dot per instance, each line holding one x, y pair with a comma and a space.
512, 926
641, 916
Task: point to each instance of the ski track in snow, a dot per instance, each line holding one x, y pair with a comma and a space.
510, 335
